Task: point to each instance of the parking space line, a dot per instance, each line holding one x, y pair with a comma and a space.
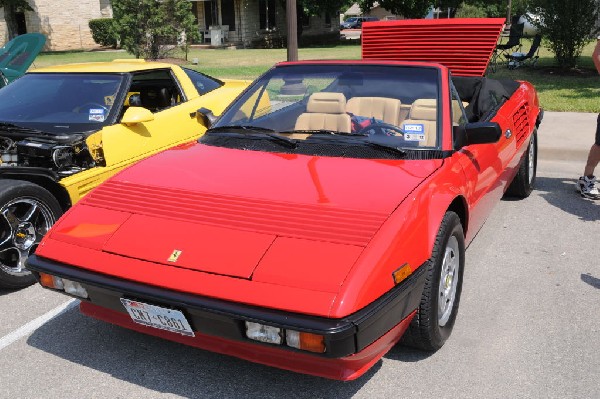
36, 323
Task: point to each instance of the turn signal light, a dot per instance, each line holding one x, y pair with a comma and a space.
49, 281
305, 341
402, 273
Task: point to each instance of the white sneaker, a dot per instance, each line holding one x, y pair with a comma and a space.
587, 187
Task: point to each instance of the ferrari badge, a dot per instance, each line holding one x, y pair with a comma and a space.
174, 256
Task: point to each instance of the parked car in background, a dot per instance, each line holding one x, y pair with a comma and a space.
356, 22
65, 129
322, 218
18, 54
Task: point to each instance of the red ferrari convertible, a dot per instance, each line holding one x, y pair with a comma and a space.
322, 218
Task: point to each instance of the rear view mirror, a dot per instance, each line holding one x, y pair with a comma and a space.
207, 118
482, 132
135, 115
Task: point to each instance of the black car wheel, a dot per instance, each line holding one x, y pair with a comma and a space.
437, 311
27, 211
523, 182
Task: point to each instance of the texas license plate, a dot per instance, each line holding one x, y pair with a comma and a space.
158, 317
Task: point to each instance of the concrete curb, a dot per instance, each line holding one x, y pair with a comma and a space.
566, 136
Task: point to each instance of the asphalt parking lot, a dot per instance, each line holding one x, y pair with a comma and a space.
528, 325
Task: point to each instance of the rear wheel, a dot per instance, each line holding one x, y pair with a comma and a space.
27, 211
437, 311
523, 182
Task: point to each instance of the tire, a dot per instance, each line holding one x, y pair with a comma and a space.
435, 317
524, 180
27, 211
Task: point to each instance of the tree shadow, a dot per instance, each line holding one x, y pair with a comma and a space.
169, 367
562, 193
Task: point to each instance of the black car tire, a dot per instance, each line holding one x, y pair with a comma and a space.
524, 180
27, 211
430, 326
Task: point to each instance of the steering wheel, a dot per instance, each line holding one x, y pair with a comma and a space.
382, 128
88, 106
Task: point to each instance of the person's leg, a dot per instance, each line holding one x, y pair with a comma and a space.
587, 182
592, 161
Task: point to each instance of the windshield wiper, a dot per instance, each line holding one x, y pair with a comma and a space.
255, 131
240, 127
11, 127
327, 132
386, 147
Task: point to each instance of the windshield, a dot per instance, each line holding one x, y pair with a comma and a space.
351, 104
60, 102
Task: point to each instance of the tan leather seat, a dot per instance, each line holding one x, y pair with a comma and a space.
325, 111
384, 109
422, 119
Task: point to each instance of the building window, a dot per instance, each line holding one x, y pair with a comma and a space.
266, 10
305, 19
327, 19
228, 14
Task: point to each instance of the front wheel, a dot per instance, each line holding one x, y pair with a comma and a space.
27, 211
437, 311
522, 184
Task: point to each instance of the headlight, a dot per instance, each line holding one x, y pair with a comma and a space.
263, 333
62, 284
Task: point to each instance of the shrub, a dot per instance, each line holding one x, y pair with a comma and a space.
566, 26
102, 32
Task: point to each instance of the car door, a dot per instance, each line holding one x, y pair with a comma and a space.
174, 120
485, 167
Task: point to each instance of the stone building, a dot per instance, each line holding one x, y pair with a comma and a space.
221, 22
64, 22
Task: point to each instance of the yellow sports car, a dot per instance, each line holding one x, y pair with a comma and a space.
65, 129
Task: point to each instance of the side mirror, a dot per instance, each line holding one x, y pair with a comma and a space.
135, 115
482, 132
207, 118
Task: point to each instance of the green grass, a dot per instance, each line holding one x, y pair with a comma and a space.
577, 90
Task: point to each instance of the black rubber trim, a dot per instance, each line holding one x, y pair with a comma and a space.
16, 171
343, 336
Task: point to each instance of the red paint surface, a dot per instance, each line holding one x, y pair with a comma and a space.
204, 248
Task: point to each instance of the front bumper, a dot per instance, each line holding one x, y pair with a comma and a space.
353, 343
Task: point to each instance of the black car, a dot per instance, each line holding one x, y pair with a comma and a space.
356, 22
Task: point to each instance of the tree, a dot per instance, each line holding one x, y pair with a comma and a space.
11, 7
566, 25
152, 28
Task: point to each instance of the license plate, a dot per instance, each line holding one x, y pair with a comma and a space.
158, 317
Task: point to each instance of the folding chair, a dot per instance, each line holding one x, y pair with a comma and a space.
514, 41
516, 60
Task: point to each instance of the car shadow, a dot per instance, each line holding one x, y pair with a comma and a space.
562, 193
6, 291
407, 355
169, 367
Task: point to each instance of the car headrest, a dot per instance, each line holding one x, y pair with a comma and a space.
424, 109
326, 103
155, 98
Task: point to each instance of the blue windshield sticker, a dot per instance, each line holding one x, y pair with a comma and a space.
414, 132
96, 115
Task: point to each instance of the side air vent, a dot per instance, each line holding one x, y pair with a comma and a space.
521, 122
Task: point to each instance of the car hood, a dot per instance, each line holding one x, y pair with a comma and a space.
18, 54
464, 45
245, 214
